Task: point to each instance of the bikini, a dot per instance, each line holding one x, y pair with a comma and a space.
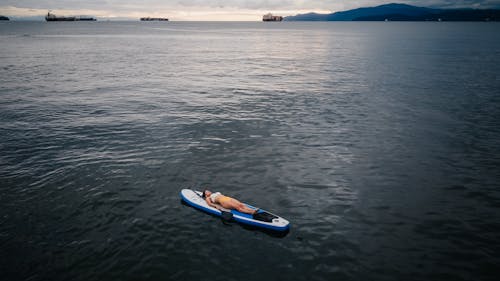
217, 197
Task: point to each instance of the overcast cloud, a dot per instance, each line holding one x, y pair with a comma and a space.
219, 9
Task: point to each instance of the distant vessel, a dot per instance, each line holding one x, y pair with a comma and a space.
52, 17
153, 19
270, 17
4, 18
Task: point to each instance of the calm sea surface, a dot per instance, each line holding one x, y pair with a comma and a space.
380, 142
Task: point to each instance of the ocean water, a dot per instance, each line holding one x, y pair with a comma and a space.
379, 142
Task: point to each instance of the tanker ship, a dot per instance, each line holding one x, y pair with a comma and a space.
52, 17
270, 17
153, 19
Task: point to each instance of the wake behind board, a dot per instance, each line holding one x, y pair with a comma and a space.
263, 219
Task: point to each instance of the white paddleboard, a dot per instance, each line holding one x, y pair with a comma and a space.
194, 199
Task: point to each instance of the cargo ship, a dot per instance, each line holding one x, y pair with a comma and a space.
52, 17
270, 17
153, 19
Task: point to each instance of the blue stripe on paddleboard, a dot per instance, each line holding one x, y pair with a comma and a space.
258, 224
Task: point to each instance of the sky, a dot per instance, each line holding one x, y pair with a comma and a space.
209, 10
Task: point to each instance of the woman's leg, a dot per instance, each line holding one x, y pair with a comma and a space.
244, 209
237, 205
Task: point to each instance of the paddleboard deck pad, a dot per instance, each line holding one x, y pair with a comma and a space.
262, 219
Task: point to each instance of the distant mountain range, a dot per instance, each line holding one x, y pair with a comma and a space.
402, 12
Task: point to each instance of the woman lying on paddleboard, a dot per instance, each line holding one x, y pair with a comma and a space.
214, 198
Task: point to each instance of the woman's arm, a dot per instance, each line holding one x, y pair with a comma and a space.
207, 199
216, 206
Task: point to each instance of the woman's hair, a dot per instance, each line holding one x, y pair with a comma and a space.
203, 193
